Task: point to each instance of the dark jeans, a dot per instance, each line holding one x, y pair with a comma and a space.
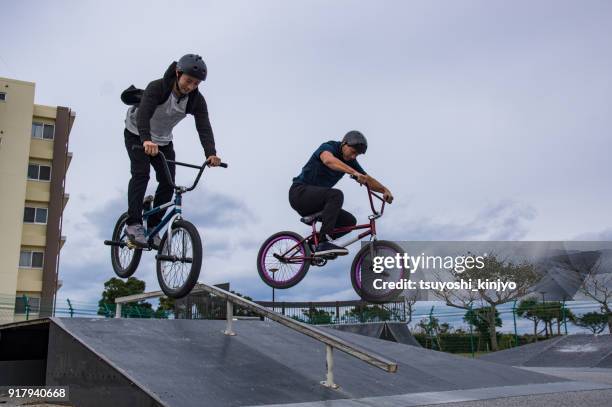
140, 166
309, 199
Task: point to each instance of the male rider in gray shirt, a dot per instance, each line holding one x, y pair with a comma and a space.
164, 103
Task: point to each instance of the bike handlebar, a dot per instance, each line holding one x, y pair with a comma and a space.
373, 194
167, 169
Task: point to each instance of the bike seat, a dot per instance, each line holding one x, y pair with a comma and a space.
148, 198
310, 219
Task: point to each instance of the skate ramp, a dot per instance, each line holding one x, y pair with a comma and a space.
565, 351
391, 331
129, 362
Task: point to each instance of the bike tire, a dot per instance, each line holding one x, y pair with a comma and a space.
361, 276
264, 252
129, 269
194, 271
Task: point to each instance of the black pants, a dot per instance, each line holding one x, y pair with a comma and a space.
309, 199
140, 166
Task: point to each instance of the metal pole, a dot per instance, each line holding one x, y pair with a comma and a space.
564, 316
471, 331
515, 331
230, 315
273, 271
26, 303
118, 310
71, 310
329, 362
431, 331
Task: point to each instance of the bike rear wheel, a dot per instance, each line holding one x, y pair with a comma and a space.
124, 259
179, 259
292, 269
365, 281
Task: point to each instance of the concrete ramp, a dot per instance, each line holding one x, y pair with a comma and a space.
564, 351
391, 331
138, 362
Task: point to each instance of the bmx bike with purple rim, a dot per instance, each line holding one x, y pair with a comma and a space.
285, 257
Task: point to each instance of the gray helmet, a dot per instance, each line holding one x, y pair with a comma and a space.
356, 140
192, 65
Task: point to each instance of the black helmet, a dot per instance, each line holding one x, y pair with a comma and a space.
356, 140
192, 65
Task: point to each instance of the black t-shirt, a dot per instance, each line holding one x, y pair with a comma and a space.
318, 174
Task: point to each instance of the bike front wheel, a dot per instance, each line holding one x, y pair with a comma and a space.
373, 286
282, 261
123, 258
179, 259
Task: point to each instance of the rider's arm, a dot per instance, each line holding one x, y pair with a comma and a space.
202, 122
376, 186
372, 182
335, 164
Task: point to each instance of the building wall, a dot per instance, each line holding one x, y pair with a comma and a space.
15, 132
18, 149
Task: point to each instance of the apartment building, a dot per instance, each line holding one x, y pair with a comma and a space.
34, 159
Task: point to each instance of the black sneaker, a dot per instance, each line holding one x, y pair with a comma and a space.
329, 248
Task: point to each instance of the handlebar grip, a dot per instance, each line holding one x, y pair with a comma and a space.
223, 165
353, 177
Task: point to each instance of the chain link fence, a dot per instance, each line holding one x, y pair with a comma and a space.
434, 326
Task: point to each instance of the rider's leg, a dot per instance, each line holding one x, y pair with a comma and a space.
139, 167
309, 199
164, 190
334, 198
345, 218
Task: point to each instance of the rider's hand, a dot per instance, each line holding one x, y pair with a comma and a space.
150, 148
388, 196
361, 178
214, 161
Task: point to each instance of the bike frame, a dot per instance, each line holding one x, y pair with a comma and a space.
313, 237
176, 211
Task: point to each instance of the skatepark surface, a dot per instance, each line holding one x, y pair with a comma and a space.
578, 350
135, 362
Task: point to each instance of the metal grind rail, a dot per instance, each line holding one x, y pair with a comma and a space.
329, 340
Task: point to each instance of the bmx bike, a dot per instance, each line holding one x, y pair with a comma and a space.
285, 257
179, 255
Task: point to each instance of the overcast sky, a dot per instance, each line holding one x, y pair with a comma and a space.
487, 119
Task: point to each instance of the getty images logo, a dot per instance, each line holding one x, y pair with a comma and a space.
457, 263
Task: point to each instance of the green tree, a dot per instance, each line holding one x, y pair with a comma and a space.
523, 274
480, 319
115, 287
552, 312
527, 309
165, 307
594, 321
366, 313
317, 316
598, 286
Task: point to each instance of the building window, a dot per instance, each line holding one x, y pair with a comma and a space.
30, 259
39, 172
2, 96
43, 131
33, 304
35, 215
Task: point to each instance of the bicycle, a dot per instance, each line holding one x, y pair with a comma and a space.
179, 255
285, 257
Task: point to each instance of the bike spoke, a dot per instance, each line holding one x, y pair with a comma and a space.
180, 245
280, 271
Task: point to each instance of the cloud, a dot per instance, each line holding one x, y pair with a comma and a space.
505, 220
